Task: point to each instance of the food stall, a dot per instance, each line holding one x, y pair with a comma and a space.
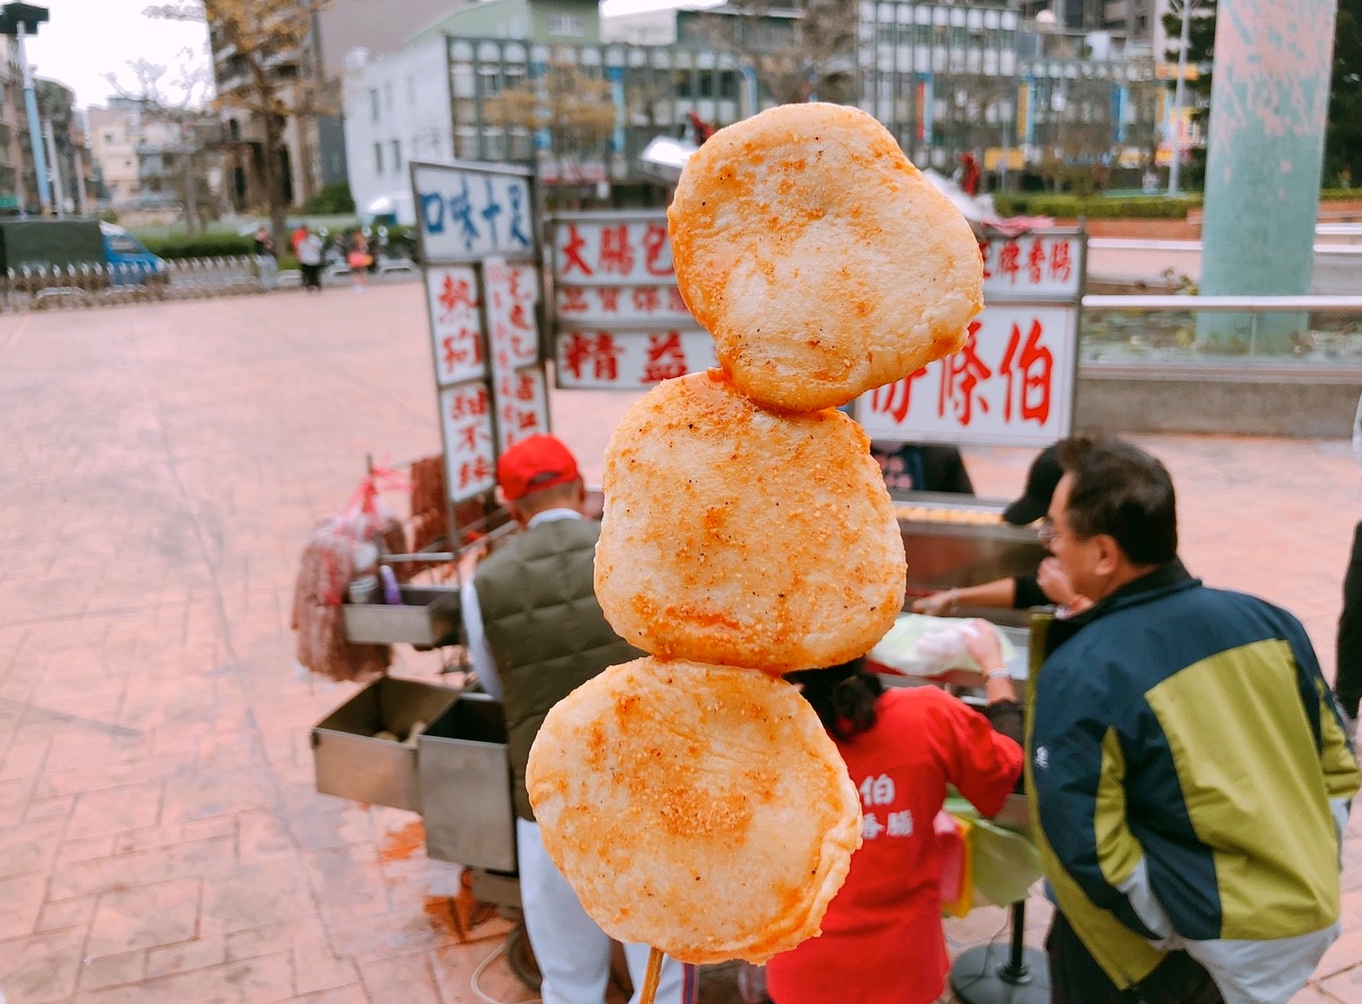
607, 312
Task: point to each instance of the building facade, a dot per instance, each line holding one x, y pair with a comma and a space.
545, 84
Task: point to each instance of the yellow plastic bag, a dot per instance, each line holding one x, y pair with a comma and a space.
957, 864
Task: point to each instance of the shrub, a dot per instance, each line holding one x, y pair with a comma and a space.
332, 200
200, 245
1073, 206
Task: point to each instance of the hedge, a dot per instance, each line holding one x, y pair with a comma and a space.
1152, 207
201, 245
1073, 206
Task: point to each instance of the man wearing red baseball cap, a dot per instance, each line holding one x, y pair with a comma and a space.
534, 633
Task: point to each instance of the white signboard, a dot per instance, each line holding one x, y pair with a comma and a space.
597, 305
465, 213
522, 408
630, 360
1032, 267
455, 323
1012, 384
613, 249
466, 423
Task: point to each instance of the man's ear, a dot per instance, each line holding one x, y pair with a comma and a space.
499, 497
1110, 557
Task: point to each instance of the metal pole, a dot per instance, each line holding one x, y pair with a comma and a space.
35, 134
58, 189
1175, 143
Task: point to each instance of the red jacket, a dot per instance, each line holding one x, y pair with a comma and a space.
882, 940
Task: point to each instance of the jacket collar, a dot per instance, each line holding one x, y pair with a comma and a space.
1170, 578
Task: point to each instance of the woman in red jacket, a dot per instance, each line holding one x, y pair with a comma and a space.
882, 941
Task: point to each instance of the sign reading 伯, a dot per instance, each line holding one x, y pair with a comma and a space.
1010, 385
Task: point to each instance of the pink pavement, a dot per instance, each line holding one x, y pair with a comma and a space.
160, 836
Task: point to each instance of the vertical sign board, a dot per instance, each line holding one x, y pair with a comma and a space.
1013, 382
618, 320
480, 258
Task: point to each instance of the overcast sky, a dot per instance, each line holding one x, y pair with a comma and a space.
86, 39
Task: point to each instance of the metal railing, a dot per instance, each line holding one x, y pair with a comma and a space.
1324, 331
90, 285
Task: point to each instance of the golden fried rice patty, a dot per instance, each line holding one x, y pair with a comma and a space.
745, 537
698, 809
820, 258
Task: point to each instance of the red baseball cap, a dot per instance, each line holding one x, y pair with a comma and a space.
533, 464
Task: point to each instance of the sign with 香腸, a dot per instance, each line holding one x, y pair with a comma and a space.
1034, 266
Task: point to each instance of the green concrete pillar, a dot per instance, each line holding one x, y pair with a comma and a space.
1269, 102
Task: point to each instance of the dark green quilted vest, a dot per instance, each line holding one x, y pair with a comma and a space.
545, 629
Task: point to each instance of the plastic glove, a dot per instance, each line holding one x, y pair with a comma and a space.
983, 644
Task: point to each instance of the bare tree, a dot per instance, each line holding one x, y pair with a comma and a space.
799, 49
264, 37
576, 110
181, 105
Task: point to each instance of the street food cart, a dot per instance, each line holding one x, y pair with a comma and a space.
609, 316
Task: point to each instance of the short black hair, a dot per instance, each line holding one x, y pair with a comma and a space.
844, 696
1120, 490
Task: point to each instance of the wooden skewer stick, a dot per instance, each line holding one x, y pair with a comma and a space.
652, 976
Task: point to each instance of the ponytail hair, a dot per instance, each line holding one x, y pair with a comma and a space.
843, 696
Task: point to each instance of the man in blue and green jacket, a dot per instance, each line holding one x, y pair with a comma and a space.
1189, 774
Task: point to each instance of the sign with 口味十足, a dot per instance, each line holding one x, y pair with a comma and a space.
466, 212
480, 263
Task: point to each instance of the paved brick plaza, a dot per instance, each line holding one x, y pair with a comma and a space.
160, 838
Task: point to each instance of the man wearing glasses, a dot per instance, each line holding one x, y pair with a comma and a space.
1187, 764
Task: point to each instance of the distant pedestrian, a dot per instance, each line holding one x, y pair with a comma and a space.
309, 251
359, 261
266, 258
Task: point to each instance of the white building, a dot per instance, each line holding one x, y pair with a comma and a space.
396, 110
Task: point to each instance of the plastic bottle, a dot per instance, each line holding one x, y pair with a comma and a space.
392, 592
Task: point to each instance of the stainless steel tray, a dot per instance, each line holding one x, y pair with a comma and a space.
352, 763
943, 551
427, 616
466, 786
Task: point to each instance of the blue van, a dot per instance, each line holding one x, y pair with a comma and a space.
132, 263
54, 246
